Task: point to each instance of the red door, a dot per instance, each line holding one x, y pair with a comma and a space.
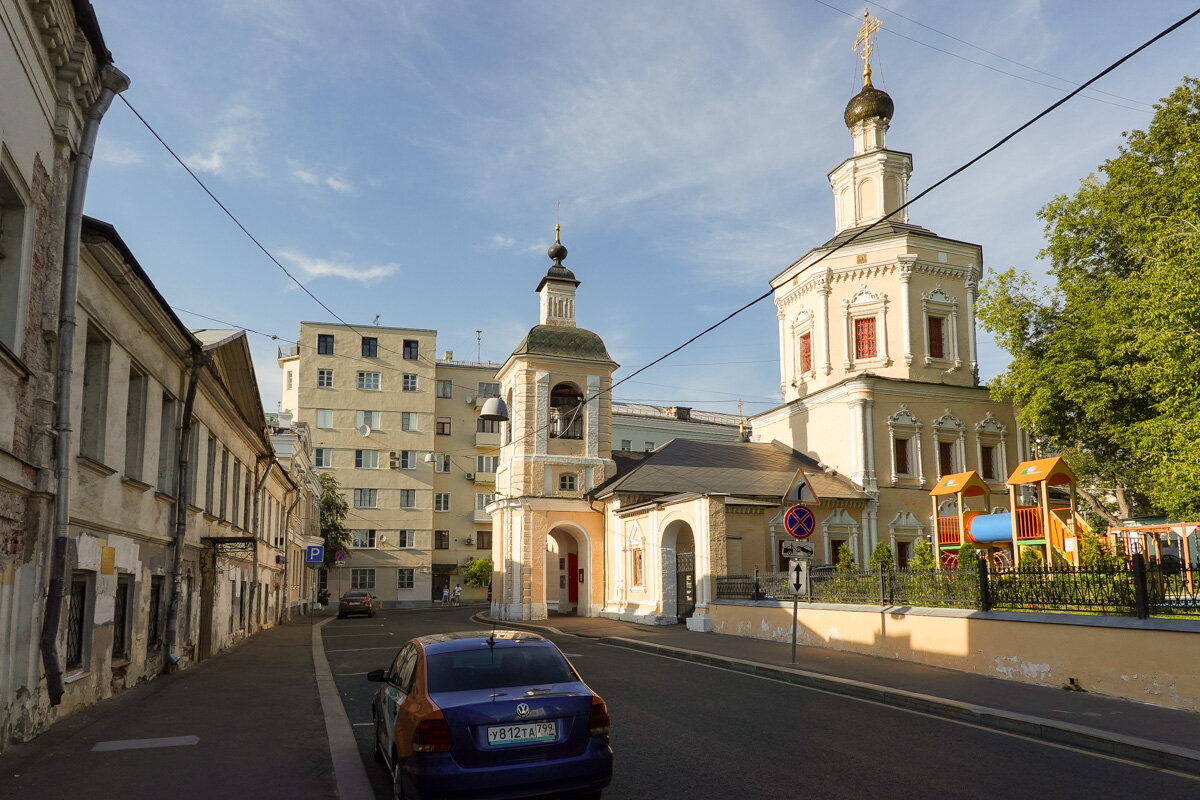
573, 577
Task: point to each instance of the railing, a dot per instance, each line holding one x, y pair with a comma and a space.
1142, 590
948, 533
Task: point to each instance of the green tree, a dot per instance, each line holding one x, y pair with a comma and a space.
1094, 553
478, 573
881, 556
968, 556
845, 559
1107, 360
1030, 560
922, 556
333, 514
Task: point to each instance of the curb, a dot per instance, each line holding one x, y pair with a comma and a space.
349, 774
1144, 751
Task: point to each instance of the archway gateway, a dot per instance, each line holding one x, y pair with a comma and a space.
678, 571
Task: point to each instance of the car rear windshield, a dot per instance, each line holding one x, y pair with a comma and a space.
496, 668
356, 595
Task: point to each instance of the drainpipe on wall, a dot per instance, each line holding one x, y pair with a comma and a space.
112, 81
257, 533
199, 361
285, 614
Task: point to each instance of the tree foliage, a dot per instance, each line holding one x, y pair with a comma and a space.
1106, 362
478, 573
922, 556
845, 559
881, 556
968, 556
334, 509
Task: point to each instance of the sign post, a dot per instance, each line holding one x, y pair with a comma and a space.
314, 555
798, 583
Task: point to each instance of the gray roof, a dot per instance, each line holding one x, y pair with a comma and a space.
735, 468
559, 340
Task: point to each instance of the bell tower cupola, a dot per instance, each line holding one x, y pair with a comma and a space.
873, 182
557, 288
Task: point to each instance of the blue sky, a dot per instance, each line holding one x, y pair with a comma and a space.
404, 159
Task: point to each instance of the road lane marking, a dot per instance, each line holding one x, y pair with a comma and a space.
358, 649
348, 674
144, 744
916, 712
352, 635
363, 724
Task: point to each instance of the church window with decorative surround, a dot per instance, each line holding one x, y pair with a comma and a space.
937, 337
806, 353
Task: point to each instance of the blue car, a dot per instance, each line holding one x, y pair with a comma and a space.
489, 716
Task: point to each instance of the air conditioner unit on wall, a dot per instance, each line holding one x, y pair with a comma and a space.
468, 541
470, 400
470, 476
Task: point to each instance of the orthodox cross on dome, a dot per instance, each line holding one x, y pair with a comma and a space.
870, 26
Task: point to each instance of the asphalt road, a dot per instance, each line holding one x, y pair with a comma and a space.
685, 730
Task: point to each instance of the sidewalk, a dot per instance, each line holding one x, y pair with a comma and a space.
1137, 731
246, 723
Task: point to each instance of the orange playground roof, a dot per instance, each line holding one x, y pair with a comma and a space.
968, 484
1051, 470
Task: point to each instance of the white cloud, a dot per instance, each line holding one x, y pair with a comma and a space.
307, 176
322, 268
234, 146
500, 241
117, 153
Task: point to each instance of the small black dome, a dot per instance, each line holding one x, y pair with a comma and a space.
557, 253
870, 102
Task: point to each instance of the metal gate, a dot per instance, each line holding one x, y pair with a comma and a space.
685, 584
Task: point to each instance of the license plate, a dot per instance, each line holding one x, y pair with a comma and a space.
522, 733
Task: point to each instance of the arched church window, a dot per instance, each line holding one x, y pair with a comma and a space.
566, 412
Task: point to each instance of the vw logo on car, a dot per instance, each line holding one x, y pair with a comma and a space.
522, 709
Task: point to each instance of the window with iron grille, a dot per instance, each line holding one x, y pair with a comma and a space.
987, 462
946, 458
370, 347
806, 353
325, 344
441, 540
865, 345
120, 643
242, 606
404, 578
368, 381
900, 446
937, 337
324, 378
412, 349
154, 613
362, 579
76, 614
409, 383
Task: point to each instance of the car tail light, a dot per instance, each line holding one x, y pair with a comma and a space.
433, 736
599, 723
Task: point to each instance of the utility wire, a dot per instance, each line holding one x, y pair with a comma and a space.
989, 66
861, 232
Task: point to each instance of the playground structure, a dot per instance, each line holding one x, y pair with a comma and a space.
1054, 530
1174, 546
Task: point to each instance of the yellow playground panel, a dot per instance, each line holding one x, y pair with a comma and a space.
1053, 528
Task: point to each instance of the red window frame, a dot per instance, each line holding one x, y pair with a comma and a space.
937, 337
865, 343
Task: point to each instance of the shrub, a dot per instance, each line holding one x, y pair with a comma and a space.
968, 556
882, 557
845, 559
922, 556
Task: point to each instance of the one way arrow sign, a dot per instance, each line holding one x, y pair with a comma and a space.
798, 576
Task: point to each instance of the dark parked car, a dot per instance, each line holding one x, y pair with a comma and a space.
493, 716
356, 603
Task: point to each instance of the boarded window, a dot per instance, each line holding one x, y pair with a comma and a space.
865, 345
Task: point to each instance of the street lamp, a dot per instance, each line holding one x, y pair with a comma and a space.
494, 410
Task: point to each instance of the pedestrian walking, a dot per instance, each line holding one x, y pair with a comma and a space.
458, 594
445, 595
